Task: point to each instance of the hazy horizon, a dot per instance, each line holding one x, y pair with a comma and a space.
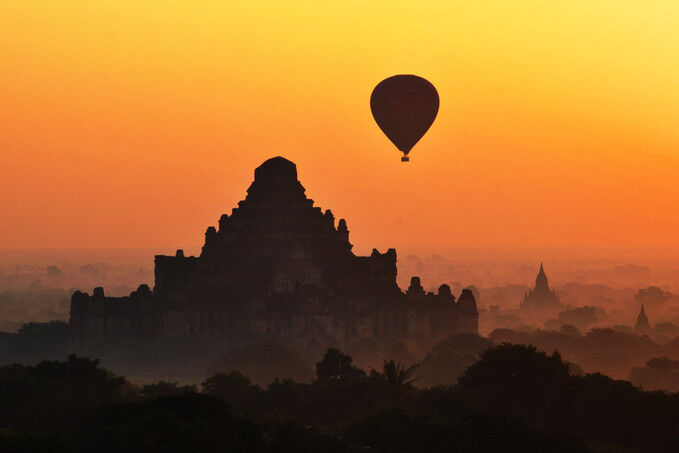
469, 266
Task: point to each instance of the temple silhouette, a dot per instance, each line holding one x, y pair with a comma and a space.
541, 297
642, 326
276, 268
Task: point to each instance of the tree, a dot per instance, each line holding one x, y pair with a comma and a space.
581, 317
396, 374
660, 373
54, 394
570, 329
187, 422
54, 272
234, 388
164, 388
652, 296
512, 375
336, 365
447, 359
34, 342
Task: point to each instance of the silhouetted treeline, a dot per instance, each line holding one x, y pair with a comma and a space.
659, 373
514, 398
34, 342
605, 350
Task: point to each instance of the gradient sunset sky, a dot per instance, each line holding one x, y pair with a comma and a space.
137, 123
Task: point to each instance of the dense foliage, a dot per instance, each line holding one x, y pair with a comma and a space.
34, 342
514, 398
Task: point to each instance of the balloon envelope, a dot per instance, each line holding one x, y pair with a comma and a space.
404, 107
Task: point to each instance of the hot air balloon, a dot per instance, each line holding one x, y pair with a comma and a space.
404, 107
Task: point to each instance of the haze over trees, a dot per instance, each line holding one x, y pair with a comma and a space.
659, 373
533, 385
512, 395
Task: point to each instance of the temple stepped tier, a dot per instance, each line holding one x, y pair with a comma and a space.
276, 267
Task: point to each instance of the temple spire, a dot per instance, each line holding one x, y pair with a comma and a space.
541, 279
642, 326
541, 296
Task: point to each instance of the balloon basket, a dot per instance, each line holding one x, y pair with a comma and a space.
405, 159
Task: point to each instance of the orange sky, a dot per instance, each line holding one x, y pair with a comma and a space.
136, 124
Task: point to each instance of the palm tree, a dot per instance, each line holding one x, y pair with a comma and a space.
396, 374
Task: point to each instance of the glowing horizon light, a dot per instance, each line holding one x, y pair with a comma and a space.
136, 124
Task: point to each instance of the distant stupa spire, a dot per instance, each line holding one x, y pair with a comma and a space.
541, 279
642, 326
